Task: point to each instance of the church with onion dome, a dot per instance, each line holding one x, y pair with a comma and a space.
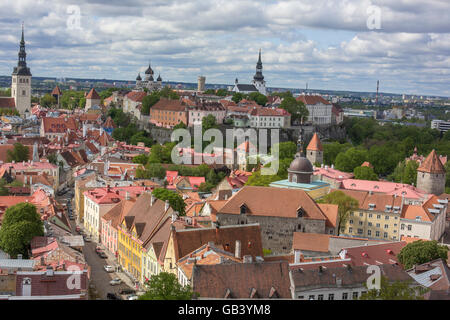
301, 173
149, 81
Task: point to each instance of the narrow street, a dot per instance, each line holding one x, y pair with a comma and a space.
99, 278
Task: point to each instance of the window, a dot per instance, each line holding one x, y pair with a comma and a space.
370, 224
331, 296
369, 232
402, 226
378, 225
360, 214
385, 234
378, 216
345, 296
386, 226
409, 227
360, 223
360, 231
350, 230
386, 217
355, 295
351, 221
370, 215
320, 297
377, 233
311, 297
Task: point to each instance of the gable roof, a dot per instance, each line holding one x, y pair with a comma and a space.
331, 212
247, 87
374, 254
136, 96
242, 280
169, 105
59, 125
188, 240
273, 202
311, 100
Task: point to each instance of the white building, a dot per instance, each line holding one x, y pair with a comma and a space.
258, 83
425, 221
320, 110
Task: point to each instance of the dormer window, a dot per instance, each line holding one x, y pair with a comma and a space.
300, 212
243, 209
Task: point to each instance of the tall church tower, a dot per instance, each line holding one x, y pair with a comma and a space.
314, 150
258, 78
21, 81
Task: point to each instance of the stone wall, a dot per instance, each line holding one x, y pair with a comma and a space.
431, 183
276, 232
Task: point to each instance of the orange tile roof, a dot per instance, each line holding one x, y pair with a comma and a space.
432, 164
331, 211
309, 100
93, 95
315, 144
311, 241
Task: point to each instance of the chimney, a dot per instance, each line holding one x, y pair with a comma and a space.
152, 201
166, 205
174, 216
237, 252
297, 256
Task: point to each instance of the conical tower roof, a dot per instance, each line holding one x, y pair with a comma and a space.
432, 164
315, 144
93, 95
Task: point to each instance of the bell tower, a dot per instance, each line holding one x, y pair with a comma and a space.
21, 81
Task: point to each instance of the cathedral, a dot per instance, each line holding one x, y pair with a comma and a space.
148, 82
21, 81
258, 83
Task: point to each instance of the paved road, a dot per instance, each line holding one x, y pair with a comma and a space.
99, 277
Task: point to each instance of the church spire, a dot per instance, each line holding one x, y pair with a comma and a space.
21, 68
258, 75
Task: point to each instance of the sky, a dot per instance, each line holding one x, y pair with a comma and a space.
329, 44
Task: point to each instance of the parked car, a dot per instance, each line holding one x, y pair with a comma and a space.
132, 297
115, 281
102, 255
112, 296
127, 291
98, 249
109, 268
87, 239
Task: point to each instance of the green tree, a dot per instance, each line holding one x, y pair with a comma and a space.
345, 203
297, 109
48, 101
237, 97
398, 290
419, 252
257, 179
52, 158
156, 170
18, 154
20, 224
142, 159
165, 286
180, 125
209, 122
354, 157
447, 170
3, 190
175, 200
286, 150
149, 101
365, 173
259, 98
331, 150
141, 136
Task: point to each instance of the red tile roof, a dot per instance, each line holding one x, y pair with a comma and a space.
311, 242
59, 125
432, 164
136, 96
384, 253
93, 95
309, 100
7, 103
315, 144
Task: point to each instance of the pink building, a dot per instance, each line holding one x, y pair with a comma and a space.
110, 221
333, 176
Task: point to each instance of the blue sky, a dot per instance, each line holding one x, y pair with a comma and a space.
326, 43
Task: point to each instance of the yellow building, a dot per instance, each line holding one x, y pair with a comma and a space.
378, 216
